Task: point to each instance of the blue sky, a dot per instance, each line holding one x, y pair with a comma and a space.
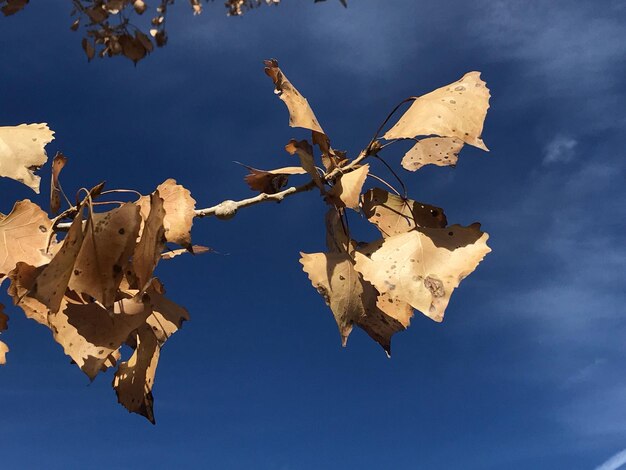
526, 371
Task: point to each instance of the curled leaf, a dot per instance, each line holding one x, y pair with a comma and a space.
270, 181
393, 214
300, 113
58, 163
305, 154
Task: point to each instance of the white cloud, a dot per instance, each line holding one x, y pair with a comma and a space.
615, 462
559, 150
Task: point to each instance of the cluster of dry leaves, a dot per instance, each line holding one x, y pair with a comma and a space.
420, 259
96, 291
111, 26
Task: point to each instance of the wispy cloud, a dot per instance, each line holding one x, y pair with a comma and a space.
559, 150
615, 462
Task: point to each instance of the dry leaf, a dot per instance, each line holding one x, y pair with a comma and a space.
148, 251
92, 259
300, 113
334, 277
22, 151
270, 181
195, 250
440, 151
305, 154
167, 316
50, 286
23, 237
179, 211
134, 379
394, 215
337, 235
456, 110
347, 189
4, 349
354, 300
90, 334
58, 162
109, 241
13, 6
422, 267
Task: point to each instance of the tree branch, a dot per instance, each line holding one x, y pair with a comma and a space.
227, 209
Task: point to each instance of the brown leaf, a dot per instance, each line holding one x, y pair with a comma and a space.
394, 215
354, 300
134, 379
270, 181
23, 237
22, 151
167, 316
195, 249
300, 113
456, 110
13, 6
148, 251
144, 40
58, 162
90, 334
4, 349
90, 51
132, 47
179, 211
337, 235
347, 189
422, 267
440, 151
334, 277
91, 260
51, 284
109, 241
305, 154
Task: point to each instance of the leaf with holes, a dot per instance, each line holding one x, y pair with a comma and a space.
440, 151
455, 110
393, 214
422, 267
24, 235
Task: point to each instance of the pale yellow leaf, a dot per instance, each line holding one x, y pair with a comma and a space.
347, 189
456, 110
422, 267
4, 349
24, 236
179, 211
22, 151
440, 151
